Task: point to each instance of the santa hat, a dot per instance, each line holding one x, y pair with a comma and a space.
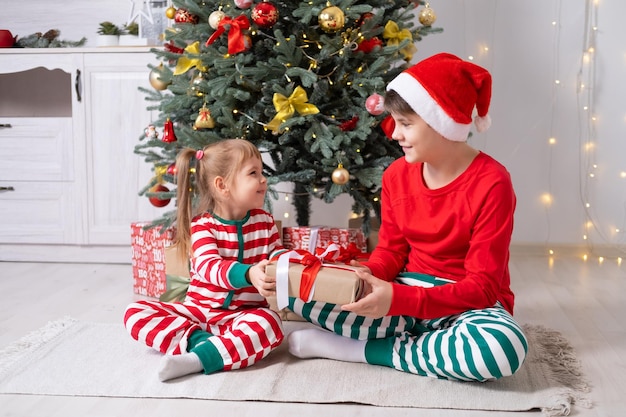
443, 90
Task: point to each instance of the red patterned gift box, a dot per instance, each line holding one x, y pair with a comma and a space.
321, 237
148, 259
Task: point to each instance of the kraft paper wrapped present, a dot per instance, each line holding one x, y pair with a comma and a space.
306, 276
321, 237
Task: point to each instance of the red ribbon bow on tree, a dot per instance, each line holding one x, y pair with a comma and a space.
236, 40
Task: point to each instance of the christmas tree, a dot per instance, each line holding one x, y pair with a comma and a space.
302, 80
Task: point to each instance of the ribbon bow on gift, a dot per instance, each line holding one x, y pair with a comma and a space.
184, 63
351, 253
312, 265
287, 106
236, 40
395, 36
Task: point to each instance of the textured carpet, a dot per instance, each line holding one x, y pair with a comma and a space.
74, 358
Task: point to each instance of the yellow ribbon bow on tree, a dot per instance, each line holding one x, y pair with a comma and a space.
184, 64
395, 36
286, 107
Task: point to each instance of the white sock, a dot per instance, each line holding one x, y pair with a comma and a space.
173, 366
318, 343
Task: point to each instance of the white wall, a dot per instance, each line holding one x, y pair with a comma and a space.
526, 54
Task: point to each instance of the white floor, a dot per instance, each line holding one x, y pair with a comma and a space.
585, 300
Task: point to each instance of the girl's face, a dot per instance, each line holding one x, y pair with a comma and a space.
248, 188
418, 140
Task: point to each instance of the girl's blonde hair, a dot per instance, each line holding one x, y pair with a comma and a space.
195, 174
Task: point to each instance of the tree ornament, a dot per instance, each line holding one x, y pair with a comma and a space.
168, 132
157, 202
170, 12
368, 45
427, 15
331, 19
151, 132
395, 36
287, 106
171, 169
375, 104
184, 16
185, 63
349, 125
340, 175
215, 17
155, 78
204, 119
264, 14
236, 33
243, 4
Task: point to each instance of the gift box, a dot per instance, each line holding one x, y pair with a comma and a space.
326, 282
308, 238
372, 237
148, 258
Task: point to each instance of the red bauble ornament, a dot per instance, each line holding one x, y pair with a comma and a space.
183, 16
157, 202
171, 169
375, 104
264, 14
168, 131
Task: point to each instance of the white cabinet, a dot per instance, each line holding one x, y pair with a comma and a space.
69, 121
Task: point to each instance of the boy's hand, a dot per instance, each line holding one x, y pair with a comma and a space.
377, 300
265, 285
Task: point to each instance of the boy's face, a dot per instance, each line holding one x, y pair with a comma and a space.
418, 140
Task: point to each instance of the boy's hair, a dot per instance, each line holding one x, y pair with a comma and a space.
394, 103
195, 175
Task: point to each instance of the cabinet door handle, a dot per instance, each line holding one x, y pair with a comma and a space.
5, 125
77, 86
5, 189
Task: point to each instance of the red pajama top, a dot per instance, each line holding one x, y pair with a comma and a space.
460, 232
223, 251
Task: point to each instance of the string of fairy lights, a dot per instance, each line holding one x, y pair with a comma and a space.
609, 239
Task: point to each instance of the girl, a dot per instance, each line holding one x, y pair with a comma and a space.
224, 322
441, 264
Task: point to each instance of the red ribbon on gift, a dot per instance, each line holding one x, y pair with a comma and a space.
350, 253
236, 40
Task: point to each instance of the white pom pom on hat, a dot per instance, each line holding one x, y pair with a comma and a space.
444, 90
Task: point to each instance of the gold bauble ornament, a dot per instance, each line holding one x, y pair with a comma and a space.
331, 19
340, 175
155, 78
427, 15
170, 12
204, 119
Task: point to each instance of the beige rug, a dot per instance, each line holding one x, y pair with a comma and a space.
70, 357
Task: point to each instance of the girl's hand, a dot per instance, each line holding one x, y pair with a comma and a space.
266, 286
377, 300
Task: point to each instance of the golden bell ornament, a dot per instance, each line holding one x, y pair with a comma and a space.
427, 16
331, 19
340, 175
204, 119
155, 78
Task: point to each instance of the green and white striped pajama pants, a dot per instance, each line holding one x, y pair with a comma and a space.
477, 345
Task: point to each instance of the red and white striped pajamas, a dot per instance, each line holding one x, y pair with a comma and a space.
219, 301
